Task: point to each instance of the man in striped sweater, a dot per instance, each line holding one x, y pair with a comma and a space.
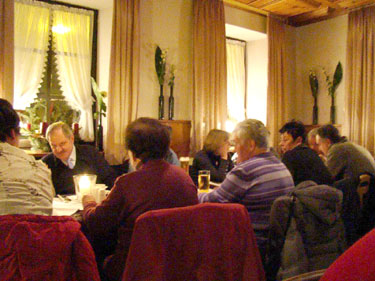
257, 180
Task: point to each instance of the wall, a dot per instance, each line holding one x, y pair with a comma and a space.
245, 19
169, 24
319, 45
171, 28
104, 47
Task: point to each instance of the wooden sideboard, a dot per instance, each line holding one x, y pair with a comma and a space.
180, 140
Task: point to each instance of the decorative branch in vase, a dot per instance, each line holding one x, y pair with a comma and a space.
332, 86
100, 112
171, 98
314, 86
160, 65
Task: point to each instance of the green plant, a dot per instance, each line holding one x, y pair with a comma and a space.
37, 111
314, 83
334, 83
101, 106
171, 75
160, 64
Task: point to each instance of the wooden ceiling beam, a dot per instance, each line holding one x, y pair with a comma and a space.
242, 6
329, 4
316, 16
311, 3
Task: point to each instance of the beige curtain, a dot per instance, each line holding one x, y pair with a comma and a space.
210, 73
31, 34
276, 93
73, 57
360, 78
124, 77
6, 49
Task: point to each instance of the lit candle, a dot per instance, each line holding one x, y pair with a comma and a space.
43, 128
84, 185
75, 128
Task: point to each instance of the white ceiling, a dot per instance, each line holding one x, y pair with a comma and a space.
94, 4
243, 33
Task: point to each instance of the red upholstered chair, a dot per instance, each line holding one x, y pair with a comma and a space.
47, 248
207, 242
356, 263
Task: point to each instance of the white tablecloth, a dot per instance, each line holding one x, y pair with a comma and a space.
66, 208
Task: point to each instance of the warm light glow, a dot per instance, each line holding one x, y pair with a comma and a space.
84, 185
60, 29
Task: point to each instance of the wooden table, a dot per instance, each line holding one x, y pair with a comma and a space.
38, 154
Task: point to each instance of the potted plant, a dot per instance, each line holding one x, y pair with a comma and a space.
100, 112
160, 66
332, 86
314, 86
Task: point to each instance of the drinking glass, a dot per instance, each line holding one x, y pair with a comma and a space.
185, 163
204, 180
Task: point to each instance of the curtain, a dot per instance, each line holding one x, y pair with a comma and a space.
360, 78
73, 52
276, 93
30, 49
209, 70
236, 82
124, 77
6, 49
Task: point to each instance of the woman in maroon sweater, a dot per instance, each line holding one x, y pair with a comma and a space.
155, 184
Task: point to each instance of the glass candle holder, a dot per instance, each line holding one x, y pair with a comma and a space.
84, 184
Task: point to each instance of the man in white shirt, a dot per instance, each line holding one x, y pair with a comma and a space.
68, 159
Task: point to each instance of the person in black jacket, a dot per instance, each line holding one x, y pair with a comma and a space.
303, 162
68, 159
213, 157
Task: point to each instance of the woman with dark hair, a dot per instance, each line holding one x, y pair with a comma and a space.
26, 186
213, 157
155, 184
344, 159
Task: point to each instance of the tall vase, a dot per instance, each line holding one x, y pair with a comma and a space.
171, 105
315, 112
161, 104
333, 109
99, 138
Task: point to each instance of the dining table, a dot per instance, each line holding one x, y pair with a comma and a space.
66, 205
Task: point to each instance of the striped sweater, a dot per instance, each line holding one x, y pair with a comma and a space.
255, 183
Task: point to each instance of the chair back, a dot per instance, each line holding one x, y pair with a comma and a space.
363, 188
208, 241
358, 206
309, 276
34, 247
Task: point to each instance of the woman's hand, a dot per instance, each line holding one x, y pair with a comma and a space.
223, 150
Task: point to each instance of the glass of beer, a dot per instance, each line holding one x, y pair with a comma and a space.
204, 180
185, 163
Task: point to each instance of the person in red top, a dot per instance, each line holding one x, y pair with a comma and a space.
154, 185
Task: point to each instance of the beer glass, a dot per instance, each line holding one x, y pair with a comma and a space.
185, 163
204, 180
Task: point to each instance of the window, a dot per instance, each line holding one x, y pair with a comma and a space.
247, 59
53, 61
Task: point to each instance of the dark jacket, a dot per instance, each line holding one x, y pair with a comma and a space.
305, 164
88, 160
217, 166
315, 237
